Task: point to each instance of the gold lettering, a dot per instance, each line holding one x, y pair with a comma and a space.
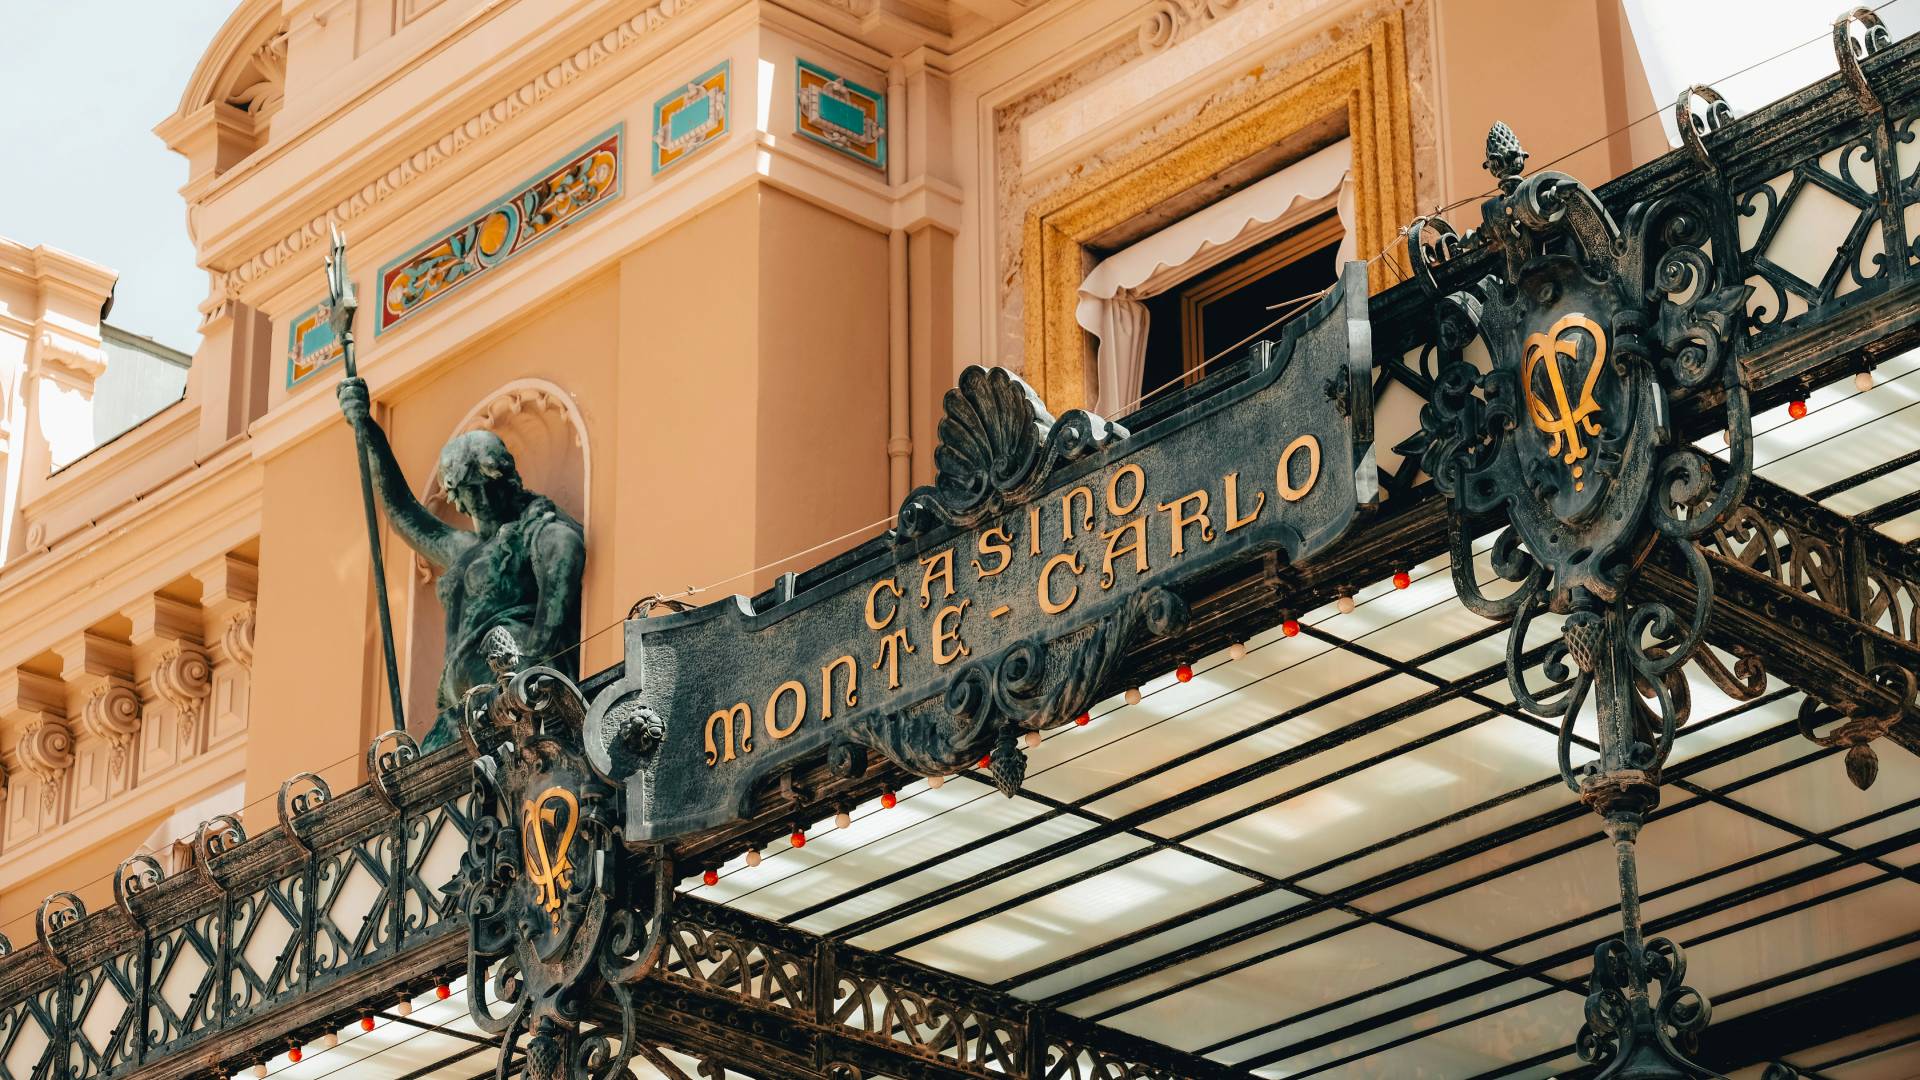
1113, 489
944, 560
1003, 548
1114, 549
941, 635
1282, 473
1072, 562
1066, 511
1182, 519
799, 691
1234, 520
874, 621
826, 685
890, 647
744, 713
1033, 530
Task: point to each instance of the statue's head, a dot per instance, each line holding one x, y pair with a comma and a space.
478, 474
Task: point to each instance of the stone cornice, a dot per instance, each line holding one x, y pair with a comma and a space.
477, 127
52, 270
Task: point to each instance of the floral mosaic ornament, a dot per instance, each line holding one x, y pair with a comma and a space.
586, 179
843, 115
311, 344
691, 117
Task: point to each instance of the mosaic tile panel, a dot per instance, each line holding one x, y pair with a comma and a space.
843, 115
691, 117
311, 344
584, 180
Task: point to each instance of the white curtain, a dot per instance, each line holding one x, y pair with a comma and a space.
1110, 305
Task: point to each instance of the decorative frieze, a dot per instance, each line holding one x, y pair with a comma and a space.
584, 180
691, 117
843, 115
311, 344
455, 141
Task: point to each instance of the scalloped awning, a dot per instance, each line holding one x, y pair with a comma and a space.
1109, 296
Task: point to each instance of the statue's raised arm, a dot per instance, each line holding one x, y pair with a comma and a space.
436, 541
518, 569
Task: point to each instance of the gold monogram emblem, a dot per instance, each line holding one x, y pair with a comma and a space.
549, 868
1561, 420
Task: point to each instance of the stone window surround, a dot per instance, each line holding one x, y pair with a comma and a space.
1363, 81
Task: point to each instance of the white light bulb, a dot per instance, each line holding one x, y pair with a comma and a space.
1133, 695
1033, 740
843, 820
935, 783
405, 1008
753, 857
1863, 382
1344, 605
1237, 651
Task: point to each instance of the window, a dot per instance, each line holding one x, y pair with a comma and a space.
1244, 299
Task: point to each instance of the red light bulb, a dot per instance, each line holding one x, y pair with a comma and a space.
888, 800
1402, 579
1797, 409
293, 1055
366, 1023
443, 991
711, 877
798, 839
1291, 628
1083, 719
1184, 673
986, 760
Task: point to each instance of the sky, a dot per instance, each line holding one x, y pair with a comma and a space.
83, 82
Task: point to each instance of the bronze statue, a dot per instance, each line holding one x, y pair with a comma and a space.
517, 569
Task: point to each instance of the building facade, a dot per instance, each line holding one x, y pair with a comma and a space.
709, 269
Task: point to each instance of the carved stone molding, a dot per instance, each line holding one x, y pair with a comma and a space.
261, 87
46, 749
113, 713
237, 638
227, 286
1169, 22
184, 679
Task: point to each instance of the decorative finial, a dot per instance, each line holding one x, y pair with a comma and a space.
1505, 158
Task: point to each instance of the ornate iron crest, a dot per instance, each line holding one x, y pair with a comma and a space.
1589, 330
555, 903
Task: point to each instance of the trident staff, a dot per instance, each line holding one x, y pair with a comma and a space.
341, 305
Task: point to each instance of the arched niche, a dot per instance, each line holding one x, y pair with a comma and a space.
544, 430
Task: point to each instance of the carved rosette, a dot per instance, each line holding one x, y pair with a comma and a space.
1170, 22
112, 713
184, 679
237, 637
46, 749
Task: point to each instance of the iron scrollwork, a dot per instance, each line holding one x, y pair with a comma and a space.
1592, 327
555, 904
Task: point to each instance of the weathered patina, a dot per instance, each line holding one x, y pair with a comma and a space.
518, 568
